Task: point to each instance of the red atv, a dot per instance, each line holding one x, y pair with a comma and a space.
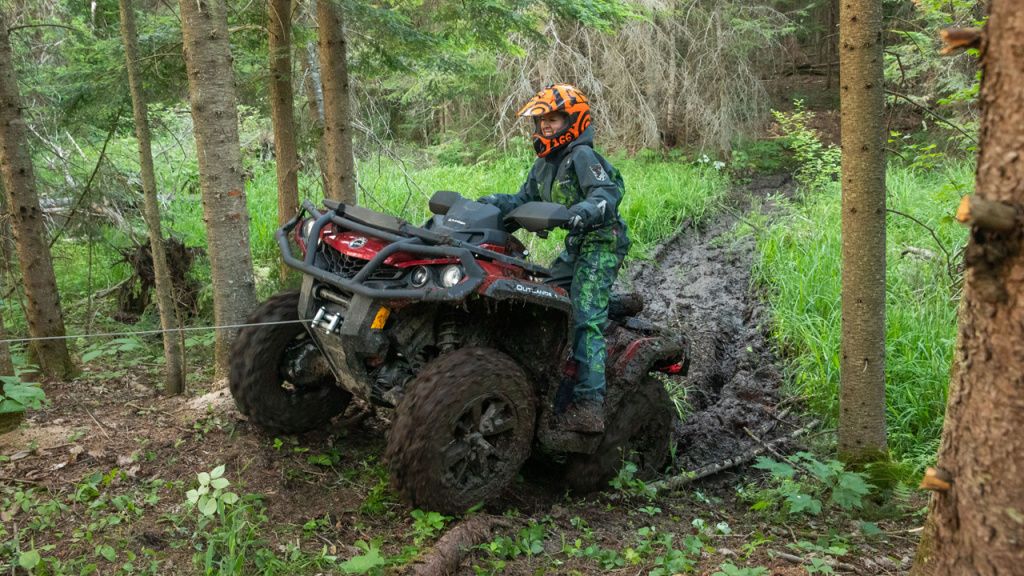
451, 326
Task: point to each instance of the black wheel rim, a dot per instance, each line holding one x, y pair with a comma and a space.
483, 438
293, 357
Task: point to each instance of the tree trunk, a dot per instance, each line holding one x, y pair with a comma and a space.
174, 377
44, 313
341, 176
862, 434
215, 120
282, 113
315, 104
977, 525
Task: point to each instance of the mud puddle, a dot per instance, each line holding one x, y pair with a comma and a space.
699, 284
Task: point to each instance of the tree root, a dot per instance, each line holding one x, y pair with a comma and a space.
454, 546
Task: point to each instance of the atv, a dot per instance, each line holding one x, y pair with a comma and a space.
455, 329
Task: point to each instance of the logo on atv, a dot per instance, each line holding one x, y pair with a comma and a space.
533, 291
357, 243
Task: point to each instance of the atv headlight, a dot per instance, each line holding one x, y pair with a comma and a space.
451, 275
307, 227
419, 276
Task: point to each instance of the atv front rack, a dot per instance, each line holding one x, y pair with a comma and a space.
404, 237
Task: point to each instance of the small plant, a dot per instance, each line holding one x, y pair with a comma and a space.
16, 398
426, 525
627, 482
817, 164
804, 495
370, 560
210, 497
111, 348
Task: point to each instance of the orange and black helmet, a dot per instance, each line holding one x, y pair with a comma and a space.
557, 98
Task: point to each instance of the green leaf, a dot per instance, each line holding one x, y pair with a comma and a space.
229, 498
803, 503
219, 483
29, 560
778, 470
193, 496
107, 552
870, 529
217, 472
850, 490
208, 506
365, 562
204, 478
320, 460
92, 355
27, 394
8, 406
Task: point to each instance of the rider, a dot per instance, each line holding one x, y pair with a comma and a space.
568, 171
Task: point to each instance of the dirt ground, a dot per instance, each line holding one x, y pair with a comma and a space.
108, 448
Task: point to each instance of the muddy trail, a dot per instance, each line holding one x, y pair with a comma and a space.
698, 284
100, 476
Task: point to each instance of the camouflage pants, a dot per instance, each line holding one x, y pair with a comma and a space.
587, 270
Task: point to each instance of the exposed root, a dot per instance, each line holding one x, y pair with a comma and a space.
445, 557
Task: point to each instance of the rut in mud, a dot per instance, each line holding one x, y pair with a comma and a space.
698, 284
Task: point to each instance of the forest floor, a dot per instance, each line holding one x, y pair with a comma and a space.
99, 477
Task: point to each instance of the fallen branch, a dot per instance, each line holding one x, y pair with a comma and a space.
798, 560
676, 482
933, 114
102, 428
453, 547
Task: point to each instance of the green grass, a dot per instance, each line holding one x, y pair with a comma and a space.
799, 265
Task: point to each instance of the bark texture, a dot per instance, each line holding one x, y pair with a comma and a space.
862, 435
340, 163
212, 94
174, 376
44, 315
977, 526
282, 112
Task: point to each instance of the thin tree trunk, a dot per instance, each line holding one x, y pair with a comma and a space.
977, 526
341, 177
315, 103
282, 113
44, 312
6, 251
215, 120
174, 377
862, 434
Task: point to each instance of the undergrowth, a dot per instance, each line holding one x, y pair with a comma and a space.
799, 266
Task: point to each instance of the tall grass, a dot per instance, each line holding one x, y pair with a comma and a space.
799, 265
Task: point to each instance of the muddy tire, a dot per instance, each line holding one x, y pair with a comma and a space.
641, 432
462, 432
257, 384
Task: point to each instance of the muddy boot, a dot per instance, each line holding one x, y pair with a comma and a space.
583, 416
